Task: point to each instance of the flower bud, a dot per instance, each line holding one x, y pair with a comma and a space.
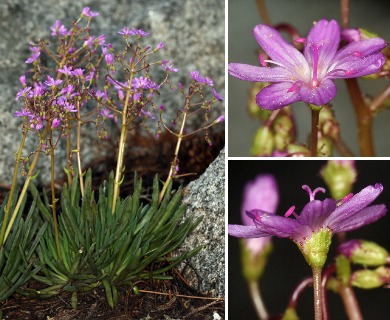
364, 252
283, 128
263, 142
325, 146
253, 264
261, 193
297, 150
253, 109
339, 175
290, 314
371, 279
328, 124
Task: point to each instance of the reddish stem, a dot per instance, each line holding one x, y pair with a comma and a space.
344, 13
364, 118
325, 277
378, 101
350, 303
298, 291
261, 7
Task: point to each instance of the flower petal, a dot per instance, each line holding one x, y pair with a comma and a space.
240, 231
358, 219
261, 74
358, 67
359, 201
315, 212
277, 96
358, 49
280, 50
285, 227
320, 95
325, 37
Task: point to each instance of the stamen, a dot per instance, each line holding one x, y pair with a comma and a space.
294, 87
312, 193
300, 40
291, 212
254, 214
346, 198
262, 61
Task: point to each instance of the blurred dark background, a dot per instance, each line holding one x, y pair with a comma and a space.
243, 16
286, 265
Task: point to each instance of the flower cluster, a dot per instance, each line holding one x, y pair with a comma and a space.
73, 90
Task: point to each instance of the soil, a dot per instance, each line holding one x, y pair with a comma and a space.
182, 302
173, 299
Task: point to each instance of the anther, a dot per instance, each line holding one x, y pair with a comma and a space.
262, 61
291, 212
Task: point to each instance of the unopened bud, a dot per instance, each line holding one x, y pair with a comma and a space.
253, 109
297, 150
253, 264
283, 128
364, 252
339, 175
328, 124
290, 314
343, 269
325, 147
371, 279
263, 142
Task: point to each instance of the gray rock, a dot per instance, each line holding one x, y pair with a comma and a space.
206, 198
193, 32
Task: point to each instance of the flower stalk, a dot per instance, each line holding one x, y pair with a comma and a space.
13, 186
364, 118
172, 169
254, 291
122, 141
30, 176
317, 293
315, 116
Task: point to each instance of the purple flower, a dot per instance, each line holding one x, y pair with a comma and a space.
23, 80
59, 29
127, 32
109, 59
50, 82
220, 119
106, 113
351, 214
33, 57
168, 66
160, 46
308, 76
88, 43
216, 95
55, 123
23, 113
198, 78
66, 70
87, 12
318, 218
22, 92
78, 72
